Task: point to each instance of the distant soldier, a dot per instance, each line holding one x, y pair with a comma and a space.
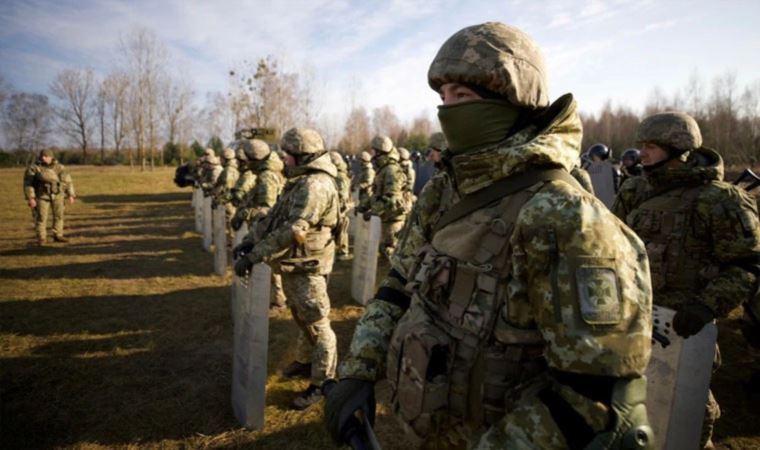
426, 170
343, 182
630, 165
387, 200
604, 175
298, 236
46, 184
224, 185
210, 171
363, 182
701, 233
266, 167
245, 182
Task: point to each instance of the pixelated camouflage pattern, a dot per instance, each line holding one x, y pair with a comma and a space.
299, 226
583, 178
228, 153
497, 57
40, 180
343, 183
301, 141
630, 194
438, 141
210, 172
263, 195
243, 186
364, 183
621, 350
226, 181
713, 239
255, 149
408, 168
366, 157
381, 144
673, 129
387, 200
310, 304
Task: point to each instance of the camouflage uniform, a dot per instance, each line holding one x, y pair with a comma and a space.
365, 180
538, 298
702, 234
388, 200
246, 181
48, 185
211, 169
223, 188
297, 235
343, 183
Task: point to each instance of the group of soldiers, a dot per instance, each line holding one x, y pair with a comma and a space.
517, 312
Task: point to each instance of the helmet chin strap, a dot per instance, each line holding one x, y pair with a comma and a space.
671, 156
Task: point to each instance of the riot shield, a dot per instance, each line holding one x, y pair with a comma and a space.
678, 379
207, 224
352, 217
364, 269
603, 180
198, 207
220, 240
250, 343
240, 234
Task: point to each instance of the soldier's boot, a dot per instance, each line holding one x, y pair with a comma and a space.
297, 370
308, 397
58, 238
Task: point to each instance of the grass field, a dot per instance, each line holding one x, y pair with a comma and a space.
122, 338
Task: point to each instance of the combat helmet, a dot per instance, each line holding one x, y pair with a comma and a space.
302, 141
601, 151
228, 154
403, 154
366, 157
438, 141
633, 155
381, 144
337, 160
676, 132
255, 149
495, 57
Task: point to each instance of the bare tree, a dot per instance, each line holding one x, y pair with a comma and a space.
356, 132
26, 121
100, 109
5, 90
175, 107
115, 89
75, 89
385, 121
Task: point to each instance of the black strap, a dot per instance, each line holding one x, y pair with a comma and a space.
499, 190
574, 428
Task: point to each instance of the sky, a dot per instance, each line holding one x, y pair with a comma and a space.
376, 53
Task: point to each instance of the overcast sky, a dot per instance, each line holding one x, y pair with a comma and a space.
380, 50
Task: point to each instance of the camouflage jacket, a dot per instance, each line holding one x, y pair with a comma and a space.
43, 181
364, 183
209, 175
246, 181
269, 182
343, 183
547, 263
702, 234
387, 200
298, 231
408, 168
226, 182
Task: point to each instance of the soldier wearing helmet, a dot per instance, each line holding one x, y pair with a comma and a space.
630, 165
604, 176
343, 183
511, 281
702, 233
363, 182
211, 168
223, 186
387, 199
46, 186
245, 182
298, 236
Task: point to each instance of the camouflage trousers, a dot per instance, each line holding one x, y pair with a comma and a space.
342, 242
389, 236
41, 213
712, 409
278, 295
308, 301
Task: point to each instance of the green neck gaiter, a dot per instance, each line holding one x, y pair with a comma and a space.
476, 124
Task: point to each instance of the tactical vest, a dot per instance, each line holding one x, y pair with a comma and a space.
449, 354
399, 206
678, 242
47, 181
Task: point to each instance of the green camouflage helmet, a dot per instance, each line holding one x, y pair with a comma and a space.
403, 153
496, 57
228, 154
255, 149
209, 152
382, 144
438, 141
302, 141
673, 129
47, 152
240, 153
337, 160
366, 157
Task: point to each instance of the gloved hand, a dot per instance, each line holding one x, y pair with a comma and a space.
691, 318
366, 215
242, 249
343, 399
237, 221
243, 266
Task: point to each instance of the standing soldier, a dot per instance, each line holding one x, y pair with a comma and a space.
387, 200
266, 167
343, 183
223, 187
299, 236
406, 164
210, 171
527, 323
630, 165
701, 233
432, 162
363, 183
246, 181
46, 184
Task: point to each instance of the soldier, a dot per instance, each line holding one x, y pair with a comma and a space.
343, 183
630, 165
432, 161
210, 171
406, 163
266, 167
46, 185
299, 236
223, 187
517, 313
604, 176
387, 200
363, 183
244, 184
701, 233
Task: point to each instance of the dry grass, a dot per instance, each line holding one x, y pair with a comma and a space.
122, 338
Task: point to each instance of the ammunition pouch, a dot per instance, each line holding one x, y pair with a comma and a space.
313, 255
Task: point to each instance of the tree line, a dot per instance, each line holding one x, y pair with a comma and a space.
143, 112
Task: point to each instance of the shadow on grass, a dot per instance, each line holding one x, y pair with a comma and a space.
138, 198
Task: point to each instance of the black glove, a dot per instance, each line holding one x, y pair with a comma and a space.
243, 266
366, 215
236, 222
242, 249
691, 318
342, 400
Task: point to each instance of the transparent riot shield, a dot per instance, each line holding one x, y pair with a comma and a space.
241, 233
250, 342
603, 180
678, 379
207, 224
364, 269
352, 216
220, 240
198, 208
